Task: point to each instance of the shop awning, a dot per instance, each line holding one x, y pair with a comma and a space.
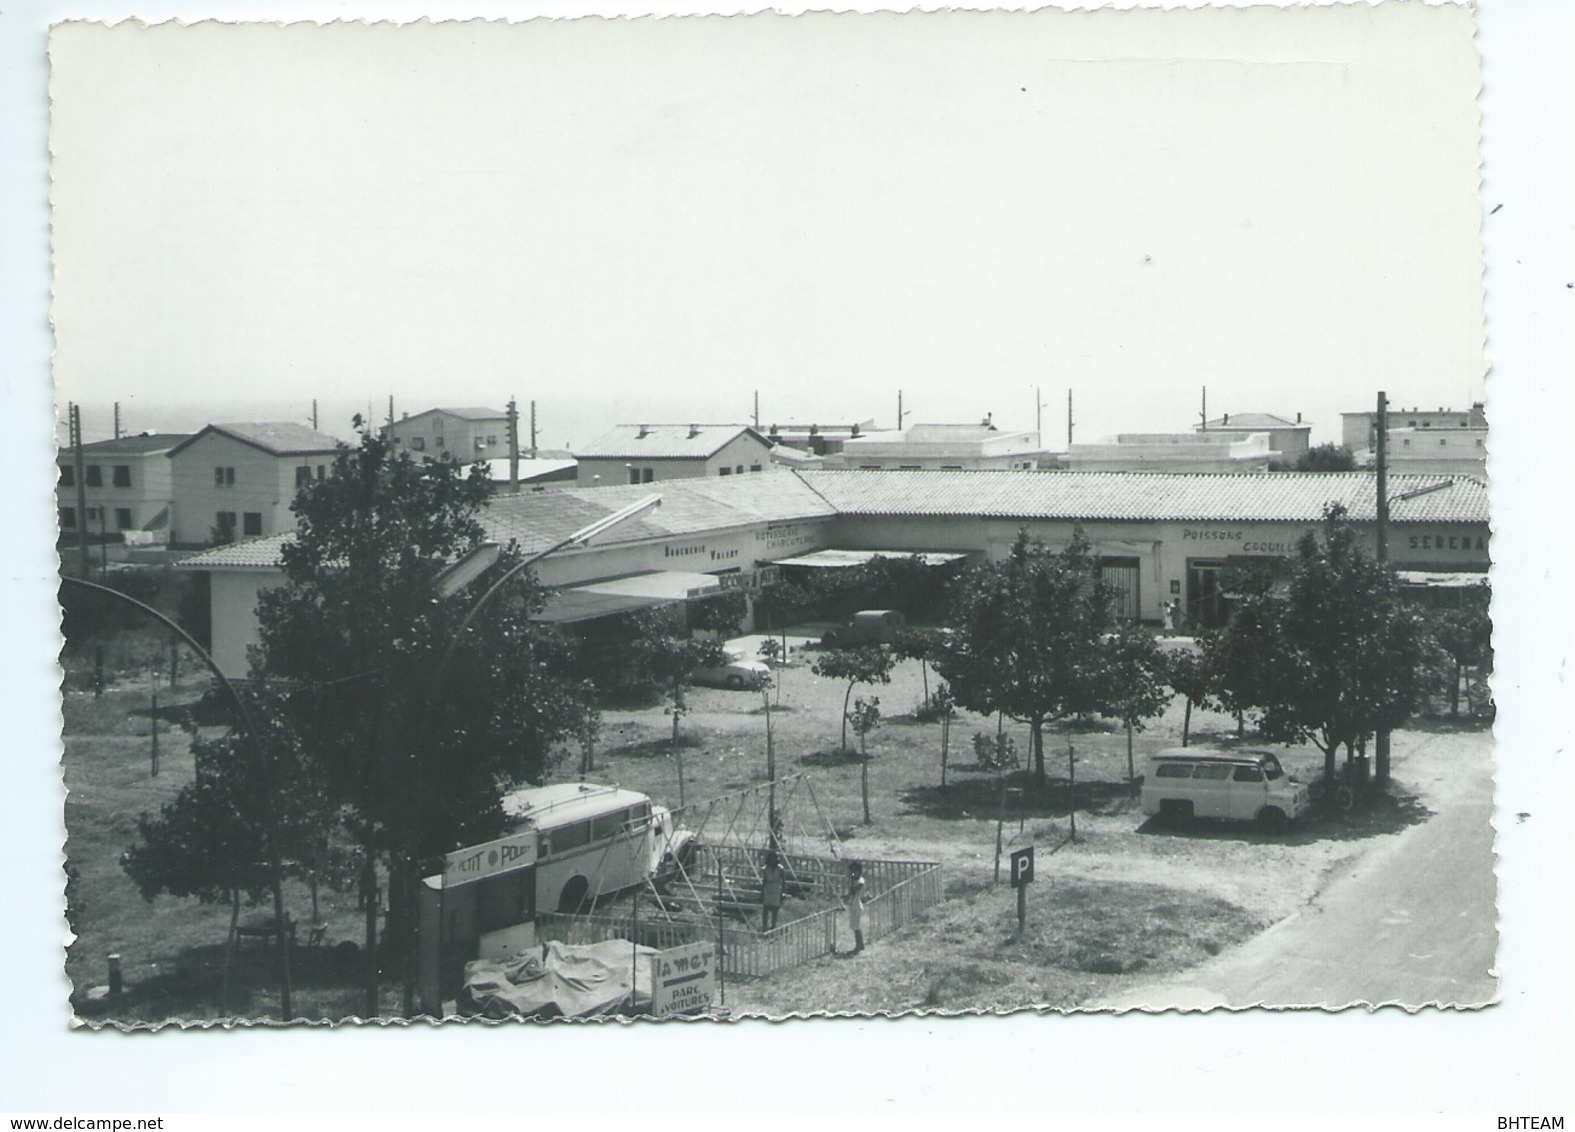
620, 595
1442, 579
842, 559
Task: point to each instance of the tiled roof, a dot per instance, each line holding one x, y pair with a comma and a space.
252, 554
279, 438
467, 412
1254, 420
147, 443
538, 519
1278, 496
663, 442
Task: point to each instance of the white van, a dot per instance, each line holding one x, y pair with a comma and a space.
1187, 782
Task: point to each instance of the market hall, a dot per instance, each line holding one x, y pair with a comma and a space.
1159, 537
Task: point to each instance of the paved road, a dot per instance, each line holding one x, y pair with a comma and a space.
1413, 922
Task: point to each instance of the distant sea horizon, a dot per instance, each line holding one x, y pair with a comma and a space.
564, 427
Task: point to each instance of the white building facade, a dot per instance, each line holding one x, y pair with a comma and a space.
126, 485
238, 480
466, 434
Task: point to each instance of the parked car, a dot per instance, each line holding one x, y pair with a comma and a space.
739, 672
1187, 782
868, 627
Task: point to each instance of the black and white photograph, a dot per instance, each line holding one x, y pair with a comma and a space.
779, 519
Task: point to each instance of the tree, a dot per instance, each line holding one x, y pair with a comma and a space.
1349, 658
210, 842
1134, 682
1465, 635
1238, 655
1188, 674
358, 633
1028, 637
910, 643
865, 717
1326, 458
868, 665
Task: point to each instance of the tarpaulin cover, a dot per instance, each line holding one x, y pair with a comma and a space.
559, 980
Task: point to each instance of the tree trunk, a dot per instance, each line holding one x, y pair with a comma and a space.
1454, 691
1328, 765
1038, 744
1131, 765
771, 751
1241, 725
846, 697
1071, 787
370, 1003
864, 778
924, 675
946, 734
229, 953
1186, 723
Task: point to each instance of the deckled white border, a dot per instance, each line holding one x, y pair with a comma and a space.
1513, 1058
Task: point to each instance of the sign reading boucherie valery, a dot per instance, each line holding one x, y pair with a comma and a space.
683, 979
477, 862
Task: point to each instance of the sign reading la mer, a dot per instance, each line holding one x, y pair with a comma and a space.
478, 862
683, 979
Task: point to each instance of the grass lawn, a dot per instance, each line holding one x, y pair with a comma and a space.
1124, 901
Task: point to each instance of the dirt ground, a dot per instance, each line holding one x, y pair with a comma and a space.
1125, 904
1128, 900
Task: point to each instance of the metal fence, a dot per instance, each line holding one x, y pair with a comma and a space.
897, 893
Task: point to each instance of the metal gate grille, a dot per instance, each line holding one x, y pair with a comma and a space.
1121, 575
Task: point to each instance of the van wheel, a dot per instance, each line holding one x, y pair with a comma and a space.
1175, 811
1271, 820
573, 898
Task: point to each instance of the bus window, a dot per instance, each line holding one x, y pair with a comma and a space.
569, 837
608, 826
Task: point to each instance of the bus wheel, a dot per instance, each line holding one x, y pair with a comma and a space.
573, 897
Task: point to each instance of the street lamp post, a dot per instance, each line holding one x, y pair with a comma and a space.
449, 582
271, 817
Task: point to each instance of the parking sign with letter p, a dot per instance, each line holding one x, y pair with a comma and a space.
1023, 867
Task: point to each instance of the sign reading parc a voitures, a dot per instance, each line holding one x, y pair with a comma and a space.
683, 979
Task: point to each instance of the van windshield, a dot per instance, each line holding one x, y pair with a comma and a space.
1271, 768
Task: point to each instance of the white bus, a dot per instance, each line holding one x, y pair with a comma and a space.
592, 840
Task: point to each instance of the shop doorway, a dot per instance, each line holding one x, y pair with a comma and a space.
1206, 601
1121, 575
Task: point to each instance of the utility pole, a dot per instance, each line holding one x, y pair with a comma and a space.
1204, 415
79, 462
314, 414
514, 446
390, 410
900, 413
1039, 413
1381, 740
533, 430
757, 410
1069, 418
117, 420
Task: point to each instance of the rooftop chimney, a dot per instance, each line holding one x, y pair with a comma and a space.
645, 431
1225, 419
1298, 418
694, 431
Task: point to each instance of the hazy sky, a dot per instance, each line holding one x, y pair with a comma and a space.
652, 219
